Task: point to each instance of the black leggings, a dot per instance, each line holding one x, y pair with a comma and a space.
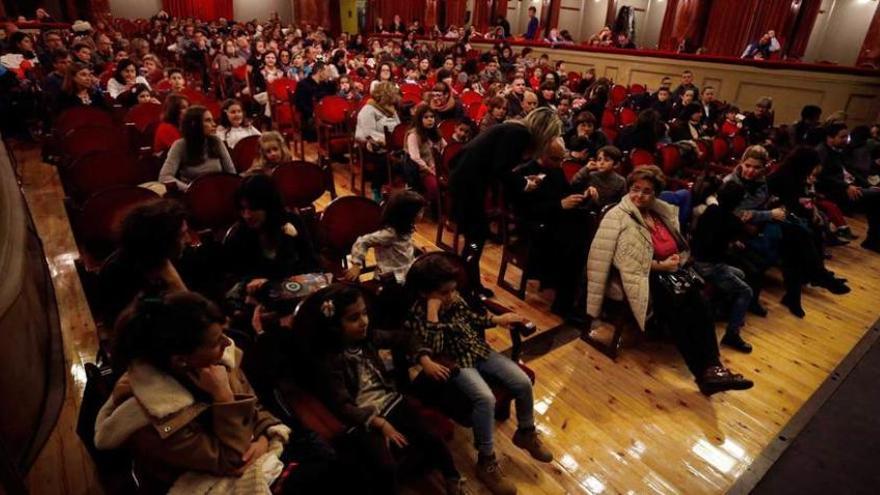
384, 461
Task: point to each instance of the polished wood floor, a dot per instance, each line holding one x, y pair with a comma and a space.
637, 425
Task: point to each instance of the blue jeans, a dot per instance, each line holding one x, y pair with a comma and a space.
732, 282
471, 382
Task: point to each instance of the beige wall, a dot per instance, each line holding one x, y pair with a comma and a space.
840, 32
135, 9
245, 10
742, 85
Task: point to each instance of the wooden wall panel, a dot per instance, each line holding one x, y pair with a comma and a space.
790, 89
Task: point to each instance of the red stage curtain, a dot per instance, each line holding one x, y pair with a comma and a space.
455, 12
684, 19
729, 26
208, 10
870, 53
318, 13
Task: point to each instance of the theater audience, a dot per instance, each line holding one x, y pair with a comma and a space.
198, 152
451, 348
845, 186
753, 221
353, 380
778, 237
640, 240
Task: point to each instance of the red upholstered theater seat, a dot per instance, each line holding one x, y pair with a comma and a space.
300, 183
210, 202
344, 220
245, 152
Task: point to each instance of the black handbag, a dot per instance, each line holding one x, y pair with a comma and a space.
672, 289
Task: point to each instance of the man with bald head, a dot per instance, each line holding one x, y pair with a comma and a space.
557, 223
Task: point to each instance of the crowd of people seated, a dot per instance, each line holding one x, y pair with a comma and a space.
639, 196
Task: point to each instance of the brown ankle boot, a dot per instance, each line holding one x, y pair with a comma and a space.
530, 441
490, 473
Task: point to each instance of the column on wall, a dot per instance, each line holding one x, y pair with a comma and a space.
870, 53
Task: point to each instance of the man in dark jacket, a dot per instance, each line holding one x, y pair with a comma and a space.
850, 191
309, 91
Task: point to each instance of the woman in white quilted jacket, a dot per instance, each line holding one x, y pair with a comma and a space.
640, 236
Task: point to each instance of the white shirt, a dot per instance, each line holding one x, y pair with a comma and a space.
235, 134
116, 88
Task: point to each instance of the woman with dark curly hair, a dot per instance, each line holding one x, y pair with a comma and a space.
152, 239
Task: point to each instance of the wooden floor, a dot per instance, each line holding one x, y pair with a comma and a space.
637, 425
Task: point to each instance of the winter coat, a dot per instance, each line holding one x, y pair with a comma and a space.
623, 242
192, 445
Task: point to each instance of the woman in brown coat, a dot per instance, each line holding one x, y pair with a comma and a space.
185, 410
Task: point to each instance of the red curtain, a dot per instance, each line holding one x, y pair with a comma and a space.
733, 24
455, 12
870, 53
318, 13
729, 26
684, 19
208, 10
386, 9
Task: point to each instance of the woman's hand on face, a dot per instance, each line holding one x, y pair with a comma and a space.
214, 380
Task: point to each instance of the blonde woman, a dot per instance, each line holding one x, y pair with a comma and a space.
378, 115
487, 159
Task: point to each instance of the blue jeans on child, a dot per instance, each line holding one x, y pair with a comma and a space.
732, 282
471, 382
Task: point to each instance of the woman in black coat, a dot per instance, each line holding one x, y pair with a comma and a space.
487, 160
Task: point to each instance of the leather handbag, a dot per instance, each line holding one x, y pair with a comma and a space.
672, 289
